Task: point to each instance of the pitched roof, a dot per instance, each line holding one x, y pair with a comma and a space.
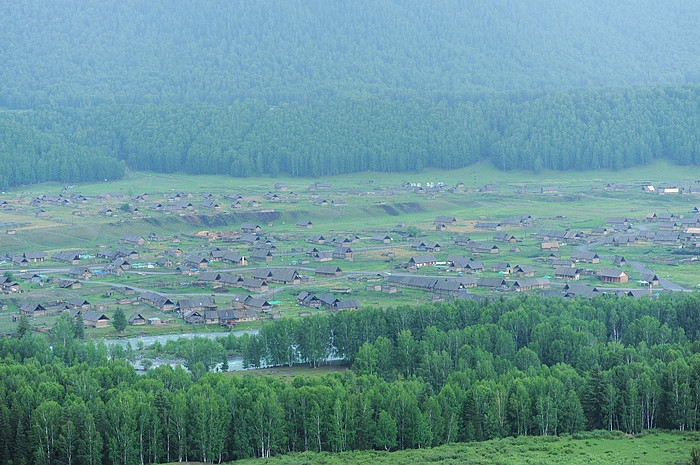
532, 282
420, 259
230, 279
93, 316
584, 255
328, 269
328, 299
209, 276
611, 273
346, 304
276, 274
197, 302
491, 282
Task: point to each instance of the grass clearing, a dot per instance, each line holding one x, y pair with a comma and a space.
597, 448
289, 373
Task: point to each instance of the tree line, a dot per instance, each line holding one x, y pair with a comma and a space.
566, 130
422, 376
311, 88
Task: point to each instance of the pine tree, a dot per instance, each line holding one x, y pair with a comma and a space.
79, 327
119, 320
590, 400
23, 326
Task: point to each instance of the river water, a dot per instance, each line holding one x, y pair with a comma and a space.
234, 363
163, 338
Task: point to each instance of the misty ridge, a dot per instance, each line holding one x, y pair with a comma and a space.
312, 88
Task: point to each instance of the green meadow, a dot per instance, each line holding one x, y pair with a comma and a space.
371, 203
589, 448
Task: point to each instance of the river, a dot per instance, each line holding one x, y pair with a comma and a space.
235, 363
163, 338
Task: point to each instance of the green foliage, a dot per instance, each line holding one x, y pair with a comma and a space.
79, 327
337, 88
239, 50
23, 326
427, 376
385, 437
119, 320
694, 456
412, 231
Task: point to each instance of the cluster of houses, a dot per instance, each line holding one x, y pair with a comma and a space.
76, 306
181, 203
668, 230
670, 190
8, 286
456, 286
205, 310
326, 300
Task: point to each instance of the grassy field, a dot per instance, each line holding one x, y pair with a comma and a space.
289, 373
372, 203
594, 448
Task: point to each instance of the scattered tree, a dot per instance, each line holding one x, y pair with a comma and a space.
119, 320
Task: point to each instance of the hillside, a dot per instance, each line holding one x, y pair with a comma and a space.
317, 88
143, 52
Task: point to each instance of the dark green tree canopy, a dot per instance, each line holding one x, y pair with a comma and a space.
313, 88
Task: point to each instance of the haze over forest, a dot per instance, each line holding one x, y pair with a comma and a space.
312, 88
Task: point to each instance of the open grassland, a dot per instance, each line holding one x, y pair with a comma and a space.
594, 448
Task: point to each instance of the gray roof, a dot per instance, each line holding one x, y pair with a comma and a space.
347, 304
584, 255
276, 274
328, 269
531, 282
209, 276
423, 259
253, 283
256, 302
611, 273
581, 290
93, 316
230, 279
328, 299
66, 256
491, 282
260, 254
197, 302
34, 255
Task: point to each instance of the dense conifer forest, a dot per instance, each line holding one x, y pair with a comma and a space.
421, 377
315, 88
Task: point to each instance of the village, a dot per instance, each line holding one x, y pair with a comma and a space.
293, 252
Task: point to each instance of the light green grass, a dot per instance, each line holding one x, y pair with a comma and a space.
582, 204
601, 448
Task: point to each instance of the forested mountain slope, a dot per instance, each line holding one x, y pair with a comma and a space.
83, 52
314, 87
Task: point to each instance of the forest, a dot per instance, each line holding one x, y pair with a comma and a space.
315, 88
421, 377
